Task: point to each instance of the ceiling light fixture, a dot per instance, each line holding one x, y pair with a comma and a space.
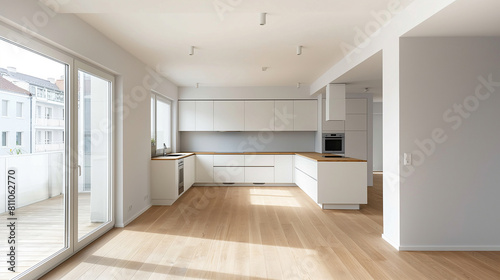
299, 50
264, 68
298, 85
366, 89
191, 50
263, 18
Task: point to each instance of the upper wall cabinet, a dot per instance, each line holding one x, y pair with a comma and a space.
283, 115
229, 115
204, 115
187, 115
249, 115
306, 115
259, 115
196, 115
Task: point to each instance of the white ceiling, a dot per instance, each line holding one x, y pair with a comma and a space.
231, 49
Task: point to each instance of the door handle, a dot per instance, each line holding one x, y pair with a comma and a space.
79, 170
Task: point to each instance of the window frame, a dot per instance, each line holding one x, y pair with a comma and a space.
159, 150
19, 138
19, 111
6, 142
5, 111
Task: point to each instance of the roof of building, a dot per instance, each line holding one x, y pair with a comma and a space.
29, 79
5, 85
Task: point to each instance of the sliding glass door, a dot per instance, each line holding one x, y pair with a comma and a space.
56, 167
93, 137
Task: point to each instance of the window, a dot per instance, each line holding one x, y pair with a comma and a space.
5, 108
39, 137
4, 138
19, 109
48, 137
19, 138
39, 112
48, 113
161, 120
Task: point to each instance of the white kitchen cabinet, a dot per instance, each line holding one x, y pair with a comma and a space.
356, 144
229, 160
356, 106
189, 171
204, 115
165, 179
229, 115
307, 184
283, 168
259, 160
204, 168
187, 115
259, 174
259, 115
331, 126
229, 174
306, 115
355, 122
283, 115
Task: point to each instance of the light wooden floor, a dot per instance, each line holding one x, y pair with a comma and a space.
263, 233
40, 231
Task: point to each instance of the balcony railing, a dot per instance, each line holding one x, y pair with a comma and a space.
39, 177
49, 147
49, 122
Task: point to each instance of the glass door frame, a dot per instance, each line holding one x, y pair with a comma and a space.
79, 244
37, 45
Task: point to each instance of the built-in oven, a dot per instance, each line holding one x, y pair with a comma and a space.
180, 164
334, 143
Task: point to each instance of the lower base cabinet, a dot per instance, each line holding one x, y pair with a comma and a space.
229, 174
259, 174
165, 179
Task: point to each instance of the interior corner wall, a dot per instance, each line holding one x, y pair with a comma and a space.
450, 95
134, 80
391, 131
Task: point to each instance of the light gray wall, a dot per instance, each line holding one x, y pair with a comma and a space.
450, 195
270, 141
377, 137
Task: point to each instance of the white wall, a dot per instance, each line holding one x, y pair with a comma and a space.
377, 137
133, 84
450, 195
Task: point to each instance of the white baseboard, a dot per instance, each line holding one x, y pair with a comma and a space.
450, 248
244, 185
134, 217
391, 242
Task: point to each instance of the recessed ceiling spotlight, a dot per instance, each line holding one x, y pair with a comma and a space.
366, 89
299, 50
191, 50
298, 85
265, 68
263, 18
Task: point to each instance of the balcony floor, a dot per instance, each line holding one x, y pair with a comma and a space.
40, 231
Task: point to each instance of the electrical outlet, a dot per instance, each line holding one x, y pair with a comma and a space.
130, 208
407, 159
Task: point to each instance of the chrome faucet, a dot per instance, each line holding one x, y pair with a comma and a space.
164, 149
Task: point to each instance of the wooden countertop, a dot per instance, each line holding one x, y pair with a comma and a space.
309, 155
184, 155
319, 157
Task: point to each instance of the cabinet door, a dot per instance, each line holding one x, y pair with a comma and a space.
229, 160
187, 115
259, 160
189, 171
259, 174
229, 174
306, 115
283, 115
355, 144
307, 184
204, 115
229, 115
204, 168
331, 126
356, 106
259, 115
283, 168
355, 122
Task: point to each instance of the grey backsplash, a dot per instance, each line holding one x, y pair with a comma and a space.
230, 142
